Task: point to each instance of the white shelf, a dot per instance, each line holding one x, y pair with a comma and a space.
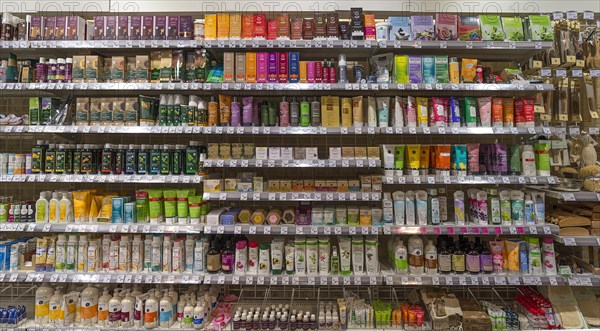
101, 228
270, 130
390, 278
578, 241
468, 180
268, 87
131, 179
293, 196
109, 277
253, 163
478, 230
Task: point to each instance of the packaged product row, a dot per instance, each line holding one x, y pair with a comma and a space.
471, 159
201, 66
331, 25
326, 111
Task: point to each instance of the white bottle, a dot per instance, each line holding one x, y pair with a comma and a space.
42, 209
166, 311
127, 305
72, 253
528, 161
93, 264
55, 314
156, 254
114, 310
103, 308
82, 253
178, 259
105, 252
65, 208
137, 254
54, 208
189, 253
199, 253
124, 254
199, 315
167, 263
151, 313
415, 255
61, 252
401, 258
113, 255
187, 321
89, 305
431, 258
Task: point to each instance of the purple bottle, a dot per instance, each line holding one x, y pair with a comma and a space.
235, 112
227, 259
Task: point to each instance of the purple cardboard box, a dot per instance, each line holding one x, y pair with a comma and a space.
60, 28
36, 29
99, 27
186, 27
148, 27
414, 70
111, 28
135, 28
173, 27
123, 27
160, 27
49, 25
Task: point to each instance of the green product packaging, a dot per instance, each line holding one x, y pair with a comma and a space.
182, 206
542, 157
399, 157
142, 207
155, 198
401, 69
514, 159
34, 111
441, 69
513, 28
170, 205
469, 110
194, 203
491, 28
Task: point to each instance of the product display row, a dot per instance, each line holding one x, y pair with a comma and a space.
330, 25
325, 111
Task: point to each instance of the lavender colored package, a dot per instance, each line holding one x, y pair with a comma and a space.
414, 70
422, 27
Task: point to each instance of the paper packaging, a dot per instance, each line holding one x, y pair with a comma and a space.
210, 26
235, 26
446, 26
400, 28
250, 67
240, 67
357, 24
320, 25
148, 27
422, 27
272, 67
332, 25
261, 67
228, 67
468, 28
294, 67
50, 24
223, 26
282, 76
414, 69
60, 27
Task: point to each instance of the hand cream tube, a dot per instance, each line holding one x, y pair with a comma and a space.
383, 111
345, 253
